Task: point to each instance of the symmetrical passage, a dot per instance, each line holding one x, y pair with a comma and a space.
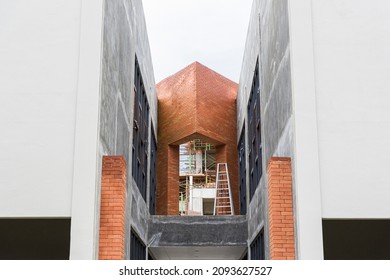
280, 209
112, 209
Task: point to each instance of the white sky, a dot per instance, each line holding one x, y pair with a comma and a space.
212, 32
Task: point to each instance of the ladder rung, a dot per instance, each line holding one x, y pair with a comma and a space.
223, 191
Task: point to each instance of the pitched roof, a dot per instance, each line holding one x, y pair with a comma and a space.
196, 100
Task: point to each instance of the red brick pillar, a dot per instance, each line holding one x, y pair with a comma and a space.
112, 209
173, 181
280, 209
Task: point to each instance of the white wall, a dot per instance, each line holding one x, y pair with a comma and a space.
352, 74
306, 162
39, 53
196, 198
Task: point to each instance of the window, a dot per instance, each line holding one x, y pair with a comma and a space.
245, 256
356, 239
140, 132
254, 134
137, 247
242, 170
152, 174
257, 247
34, 238
150, 257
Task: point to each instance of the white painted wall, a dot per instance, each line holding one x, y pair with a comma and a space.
306, 162
39, 56
84, 241
196, 198
352, 75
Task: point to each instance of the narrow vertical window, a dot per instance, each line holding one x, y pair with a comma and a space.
254, 134
257, 247
137, 247
242, 170
152, 174
140, 132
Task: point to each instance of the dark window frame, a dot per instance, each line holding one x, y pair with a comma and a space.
137, 247
257, 247
152, 173
254, 134
242, 171
140, 132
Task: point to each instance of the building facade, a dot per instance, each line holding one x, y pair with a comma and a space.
91, 164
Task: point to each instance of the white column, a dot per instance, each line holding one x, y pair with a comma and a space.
306, 165
84, 235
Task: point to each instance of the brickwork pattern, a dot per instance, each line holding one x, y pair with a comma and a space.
280, 207
112, 209
195, 103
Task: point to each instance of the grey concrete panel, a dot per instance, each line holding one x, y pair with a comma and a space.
124, 37
123, 145
268, 41
198, 231
278, 108
274, 34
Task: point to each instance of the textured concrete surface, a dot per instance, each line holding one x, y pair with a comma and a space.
124, 37
268, 41
197, 231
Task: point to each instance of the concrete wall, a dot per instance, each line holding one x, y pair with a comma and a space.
124, 37
39, 62
352, 65
268, 40
197, 231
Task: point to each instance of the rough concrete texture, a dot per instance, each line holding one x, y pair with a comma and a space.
198, 231
268, 41
124, 37
194, 103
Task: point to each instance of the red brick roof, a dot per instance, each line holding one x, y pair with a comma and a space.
197, 100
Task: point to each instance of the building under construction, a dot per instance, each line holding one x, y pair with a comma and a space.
99, 162
197, 133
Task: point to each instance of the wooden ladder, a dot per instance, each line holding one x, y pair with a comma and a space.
223, 196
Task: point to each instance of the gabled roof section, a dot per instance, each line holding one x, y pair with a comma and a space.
196, 100
193, 77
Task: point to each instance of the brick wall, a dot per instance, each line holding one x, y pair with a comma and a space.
195, 103
112, 209
280, 207
173, 181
